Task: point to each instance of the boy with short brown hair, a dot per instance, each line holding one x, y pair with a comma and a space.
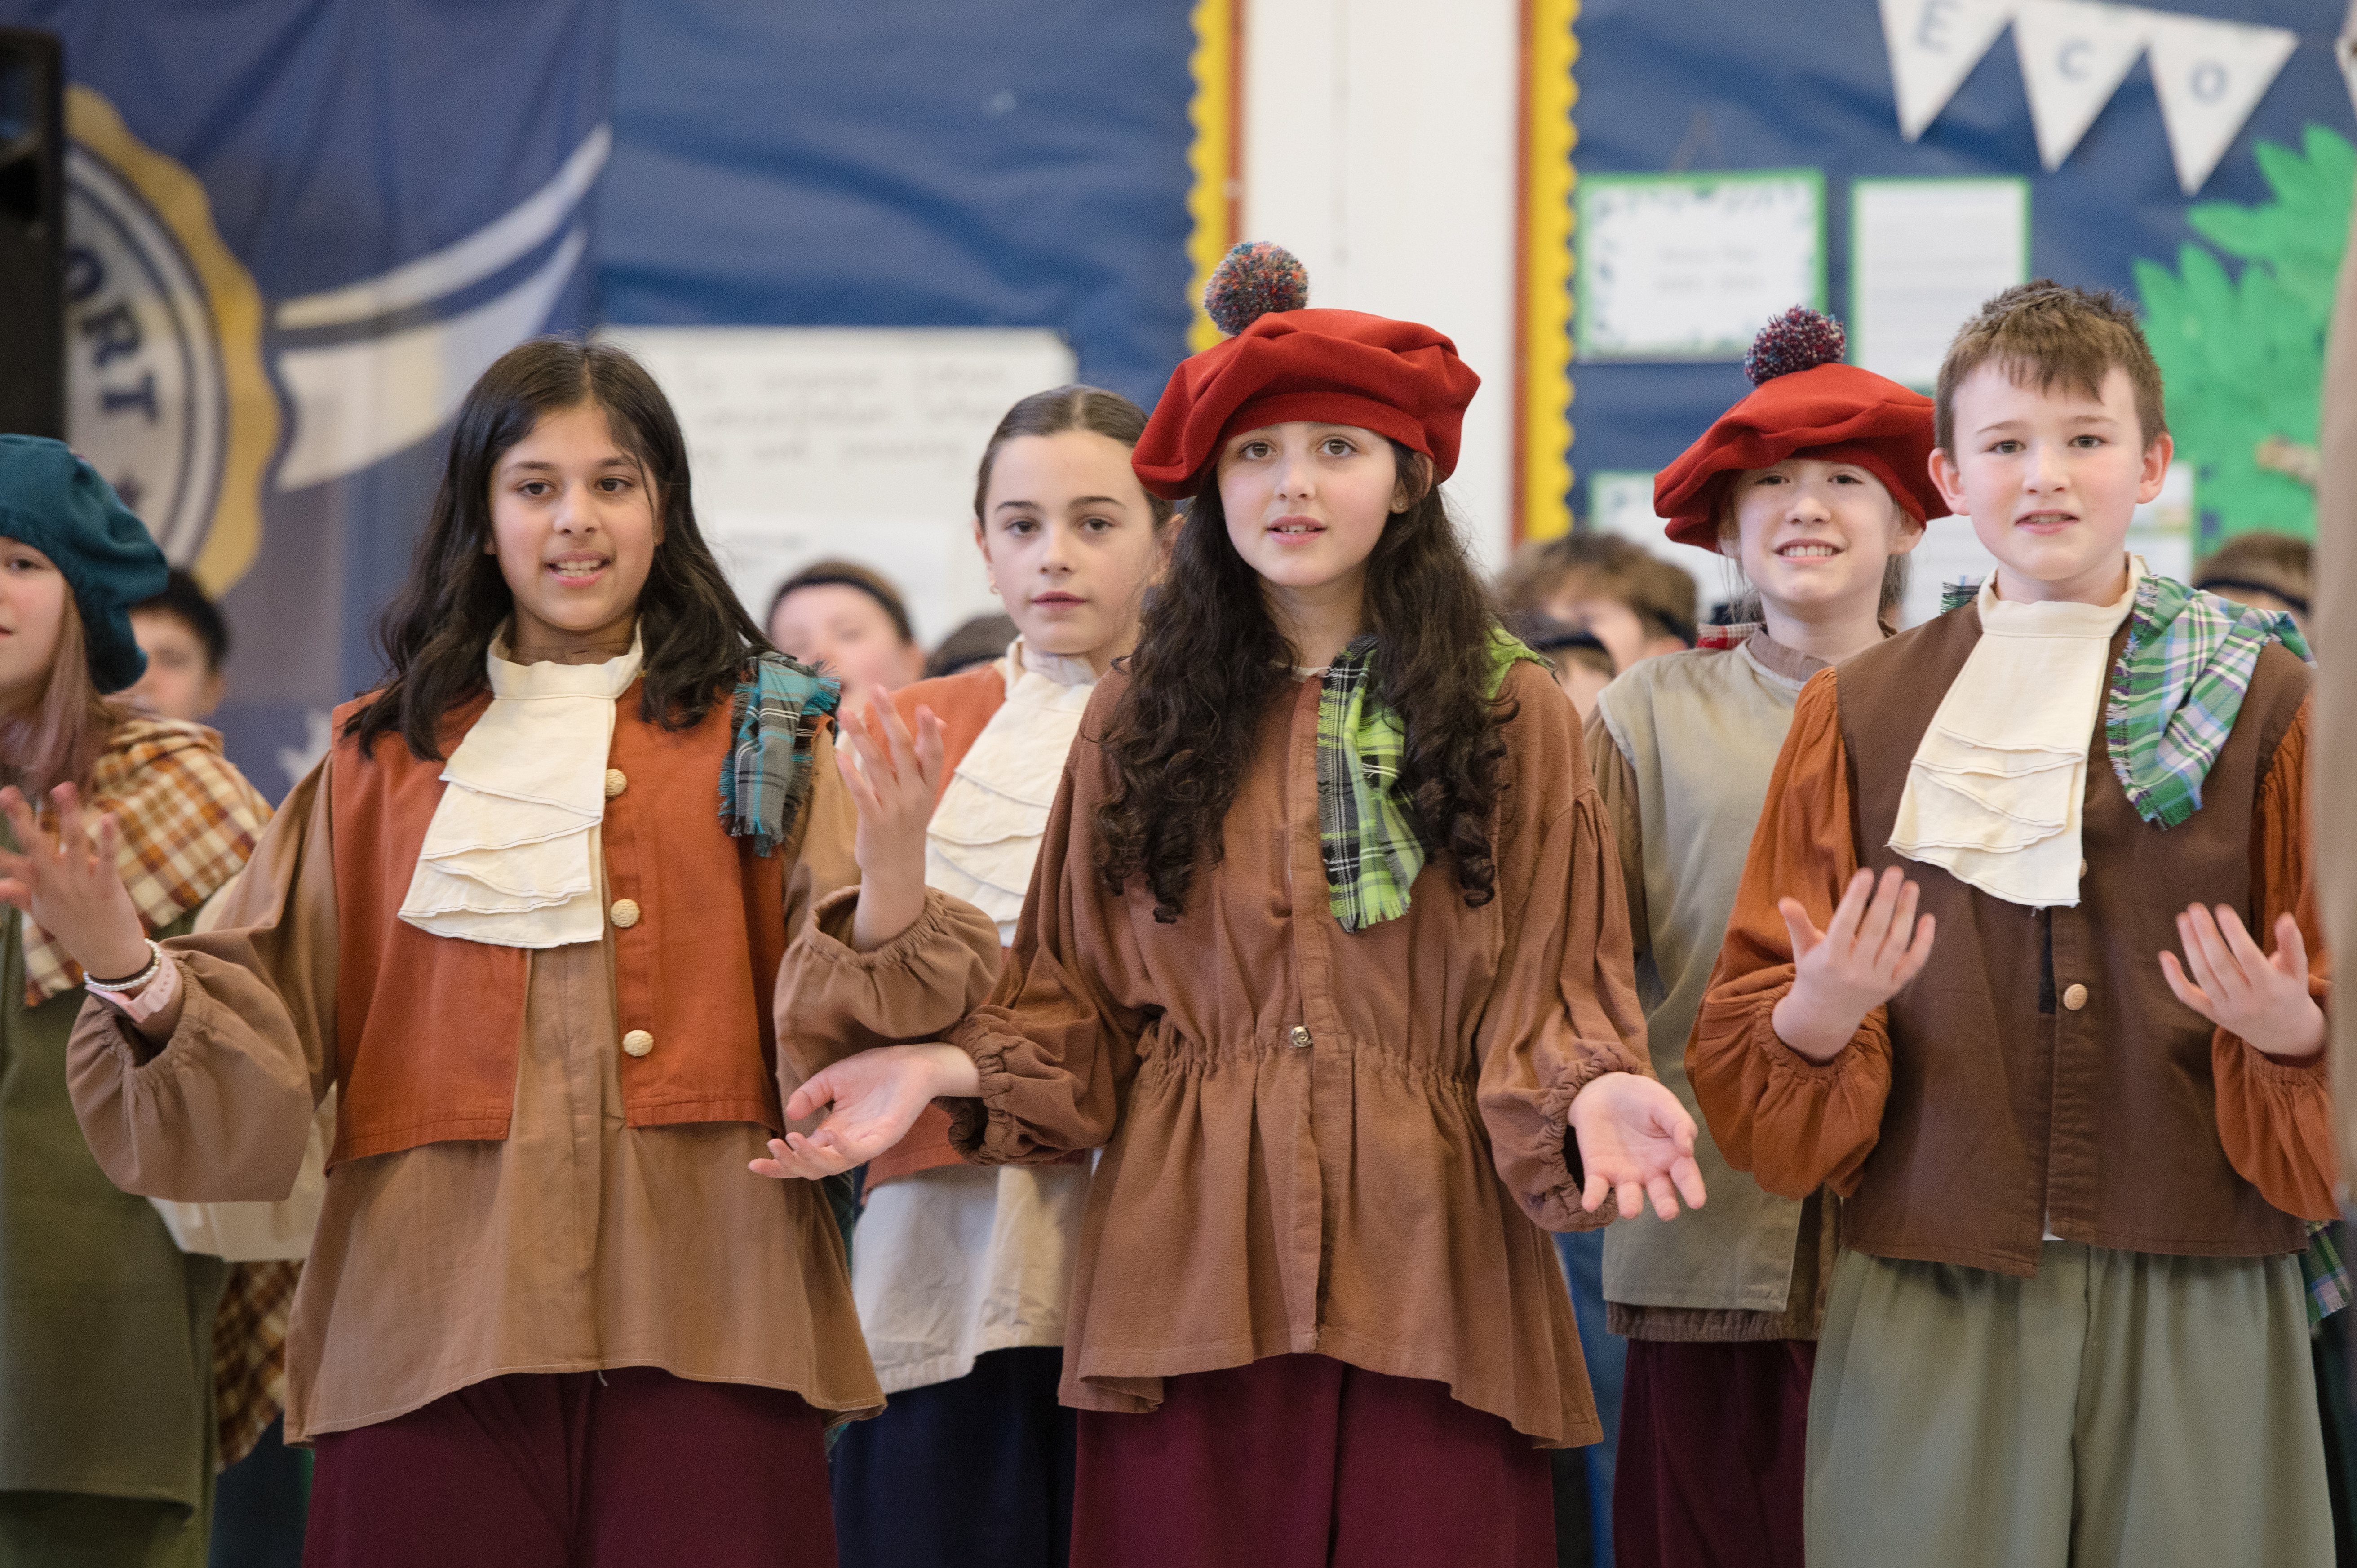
1633, 602
2068, 1320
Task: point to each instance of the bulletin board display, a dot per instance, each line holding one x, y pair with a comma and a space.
1684, 266
2204, 172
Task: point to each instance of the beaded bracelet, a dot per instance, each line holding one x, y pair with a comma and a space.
118, 987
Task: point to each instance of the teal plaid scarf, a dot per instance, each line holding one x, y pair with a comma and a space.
2176, 688
775, 723
1367, 830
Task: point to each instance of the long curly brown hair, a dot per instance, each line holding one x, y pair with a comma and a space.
1211, 658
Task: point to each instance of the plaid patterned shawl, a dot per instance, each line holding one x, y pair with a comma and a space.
766, 775
188, 821
1367, 829
2176, 688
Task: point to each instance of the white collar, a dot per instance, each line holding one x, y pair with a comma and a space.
1994, 792
510, 857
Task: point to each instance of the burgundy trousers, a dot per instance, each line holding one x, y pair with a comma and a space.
631, 1467
1305, 1462
1714, 1439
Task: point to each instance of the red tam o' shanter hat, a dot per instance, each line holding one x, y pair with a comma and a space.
1284, 362
1807, 403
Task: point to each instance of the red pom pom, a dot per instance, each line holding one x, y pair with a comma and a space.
1800, 339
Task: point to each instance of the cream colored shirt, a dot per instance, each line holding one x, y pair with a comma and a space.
1996, 790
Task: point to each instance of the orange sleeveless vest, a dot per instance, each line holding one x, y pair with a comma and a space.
429, 1030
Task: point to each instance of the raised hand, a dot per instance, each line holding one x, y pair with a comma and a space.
1872, 946
2262, 998
1635, 1141
892, 777
871, 1099
67, 884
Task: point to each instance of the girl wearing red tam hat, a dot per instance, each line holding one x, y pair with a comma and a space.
1325, 950
1818, 484
107, 1432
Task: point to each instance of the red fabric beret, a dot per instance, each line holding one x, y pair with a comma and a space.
1337, 367
1839, 412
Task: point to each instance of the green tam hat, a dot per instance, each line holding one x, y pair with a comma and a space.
57, 504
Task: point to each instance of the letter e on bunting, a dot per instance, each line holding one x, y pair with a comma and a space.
1934, 44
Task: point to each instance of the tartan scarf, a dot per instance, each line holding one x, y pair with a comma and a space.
1367, 830
2174, 693
189, 823
766, 777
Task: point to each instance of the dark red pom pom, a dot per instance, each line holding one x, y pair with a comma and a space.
1251, 280
1800, 339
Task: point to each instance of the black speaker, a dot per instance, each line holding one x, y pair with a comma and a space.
32, 233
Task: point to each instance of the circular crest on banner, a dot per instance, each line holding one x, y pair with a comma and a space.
166, 392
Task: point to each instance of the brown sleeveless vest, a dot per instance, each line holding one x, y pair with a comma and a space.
428, 1029
2041, 1072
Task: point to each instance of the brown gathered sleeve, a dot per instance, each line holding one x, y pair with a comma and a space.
1563, 1010
1616, 784
1054, 1045
831, 1000
221, 1112
2275, 1116
1794, 1124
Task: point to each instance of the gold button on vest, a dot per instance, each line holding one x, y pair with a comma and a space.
625, 913
2076, 997
615, 782
638, 1043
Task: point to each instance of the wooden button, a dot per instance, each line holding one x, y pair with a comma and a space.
625, 914
1300, 1037
2076, 997
638, 1043
615, 782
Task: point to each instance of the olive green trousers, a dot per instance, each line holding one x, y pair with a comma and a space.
2118, 1409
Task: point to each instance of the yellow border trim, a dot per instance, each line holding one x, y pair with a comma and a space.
1212, 158
250, 420
1550, 48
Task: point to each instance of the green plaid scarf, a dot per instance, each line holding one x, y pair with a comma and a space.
1367, 829
775, 719
2323, 1272
2176, 688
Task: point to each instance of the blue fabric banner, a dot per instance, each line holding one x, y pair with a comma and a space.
297, 233
910, 165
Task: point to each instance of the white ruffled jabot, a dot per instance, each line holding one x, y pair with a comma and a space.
510, 857
984, 835
1995, 794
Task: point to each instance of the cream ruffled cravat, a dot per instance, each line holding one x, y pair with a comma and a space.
984, 836
510, 857
1995, 793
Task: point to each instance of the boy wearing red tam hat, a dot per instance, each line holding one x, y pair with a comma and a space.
1325, 949
1817, 483
2067, 1320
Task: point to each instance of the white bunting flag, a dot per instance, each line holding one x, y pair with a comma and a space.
2074, 55
1934, 44
2210, 76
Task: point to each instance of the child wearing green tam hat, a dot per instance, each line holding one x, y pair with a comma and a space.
107, 1440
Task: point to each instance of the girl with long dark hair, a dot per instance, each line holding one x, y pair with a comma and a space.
532, 918
1326, 949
